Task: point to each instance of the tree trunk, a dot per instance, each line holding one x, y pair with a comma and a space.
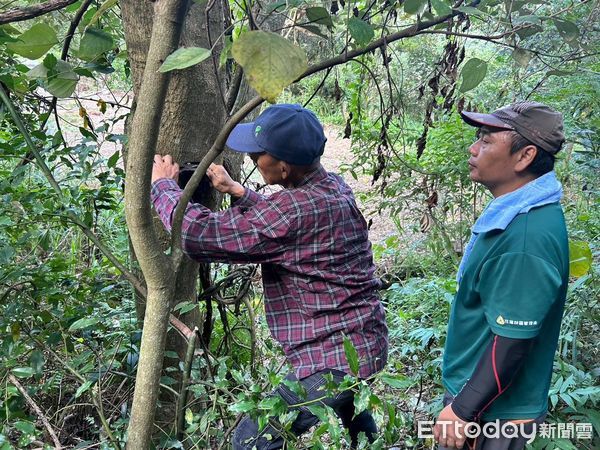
188, 119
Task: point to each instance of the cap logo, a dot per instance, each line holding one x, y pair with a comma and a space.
500, 320
257, 130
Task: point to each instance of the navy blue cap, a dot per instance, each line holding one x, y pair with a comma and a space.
287, 132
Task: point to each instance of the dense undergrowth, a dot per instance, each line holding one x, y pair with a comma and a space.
69, 329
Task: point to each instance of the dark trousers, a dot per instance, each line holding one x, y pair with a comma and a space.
247, 436
501, 442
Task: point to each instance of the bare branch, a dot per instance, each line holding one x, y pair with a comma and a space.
72, 27
37, 410
29, 12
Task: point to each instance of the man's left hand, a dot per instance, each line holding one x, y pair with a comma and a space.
449, 429
164, 167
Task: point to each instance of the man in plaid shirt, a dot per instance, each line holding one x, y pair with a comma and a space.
317, 265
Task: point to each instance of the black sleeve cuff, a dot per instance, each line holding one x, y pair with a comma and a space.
494, 373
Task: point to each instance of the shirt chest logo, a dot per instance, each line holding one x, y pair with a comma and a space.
520, 323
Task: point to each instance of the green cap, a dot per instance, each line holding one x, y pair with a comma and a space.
536, 122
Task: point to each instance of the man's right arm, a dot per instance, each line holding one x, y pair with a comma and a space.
498, 366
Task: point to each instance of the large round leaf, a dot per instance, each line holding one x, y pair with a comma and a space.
35, 42
414, 6
567, 30
580, 258
361, 31
522, 56
473, 73
270, 62
184, 57
441, 8
320, 15
93, 43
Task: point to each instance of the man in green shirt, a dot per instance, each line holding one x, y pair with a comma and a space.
505, 319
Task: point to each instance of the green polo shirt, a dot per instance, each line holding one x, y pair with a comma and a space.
514, 285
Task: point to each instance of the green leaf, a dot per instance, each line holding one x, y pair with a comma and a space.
397, 381
351, 355
563, 444
185, 307
83, 388
112, 161
580, 258
226, 52
6, 254
522, 56
320, 412
35, 42
22, 372
529, 31
243, 406
559, 73
361, 31
171, 354
60, 81
103, 8
414, 6
63, 83
94, 43
15, 331
473, 73
25, 427
567, 30
441, 8
85, 322
5, 37
270, 62
37, 361
529, 18
189, 415
319, 15
361, 399
184, 57
314, 29
471, 11
276, 5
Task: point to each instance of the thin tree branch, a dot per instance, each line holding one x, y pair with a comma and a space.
187, 370
29, 12
37, 410
72, 27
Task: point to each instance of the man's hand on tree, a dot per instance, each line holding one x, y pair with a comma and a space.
222, 182
164, 167
449, 429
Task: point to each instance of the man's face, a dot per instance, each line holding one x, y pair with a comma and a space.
491, 162
269, 167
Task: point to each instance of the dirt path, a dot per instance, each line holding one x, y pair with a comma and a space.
338, 153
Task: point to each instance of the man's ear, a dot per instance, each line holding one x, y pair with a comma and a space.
526, 156
285, 170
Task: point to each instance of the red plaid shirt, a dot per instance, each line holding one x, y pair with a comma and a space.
317, 266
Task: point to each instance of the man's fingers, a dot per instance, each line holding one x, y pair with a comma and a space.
168, 159
157, 159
